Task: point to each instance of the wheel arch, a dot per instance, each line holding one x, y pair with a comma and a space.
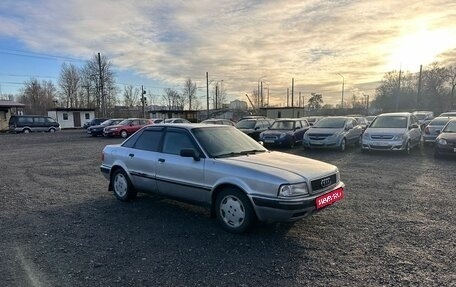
224, 186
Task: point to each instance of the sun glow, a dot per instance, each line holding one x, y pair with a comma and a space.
420, 48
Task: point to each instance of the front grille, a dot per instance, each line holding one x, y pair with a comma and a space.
318, 137
382, 137
380, 147
323, 182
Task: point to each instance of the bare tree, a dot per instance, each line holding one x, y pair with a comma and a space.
171, 99
189, 92
38, 97
452, 79
316, 101
69, 83
131, 96
435, 87
100, 78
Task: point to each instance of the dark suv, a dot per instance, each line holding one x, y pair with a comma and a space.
254, 127
27, 124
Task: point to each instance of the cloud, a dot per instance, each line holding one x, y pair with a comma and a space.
169, 41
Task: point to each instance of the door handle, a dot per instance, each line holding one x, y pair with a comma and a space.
131, 155
161, 160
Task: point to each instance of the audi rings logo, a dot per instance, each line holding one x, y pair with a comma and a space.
325, 182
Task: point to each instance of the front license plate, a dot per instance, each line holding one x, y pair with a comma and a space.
329, 198
268, 141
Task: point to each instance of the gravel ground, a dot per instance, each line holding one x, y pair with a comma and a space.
59, 226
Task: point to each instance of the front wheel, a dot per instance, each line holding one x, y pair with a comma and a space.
122, 187
343, 145
234, 211
407, 148
52, 130
123, 134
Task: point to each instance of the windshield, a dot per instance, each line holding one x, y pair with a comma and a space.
420, 116
389, 122
283, 125
439, 122
125, 122
226, 141
246, 124
450, 127
330, 123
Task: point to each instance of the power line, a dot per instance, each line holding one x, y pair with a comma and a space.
38, 55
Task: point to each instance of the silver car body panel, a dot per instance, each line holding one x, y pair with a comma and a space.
259, 175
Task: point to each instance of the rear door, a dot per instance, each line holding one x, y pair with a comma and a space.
141, 159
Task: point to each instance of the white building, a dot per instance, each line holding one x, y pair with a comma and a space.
70, 118
238, 105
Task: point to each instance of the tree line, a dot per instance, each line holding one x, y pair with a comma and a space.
94, 86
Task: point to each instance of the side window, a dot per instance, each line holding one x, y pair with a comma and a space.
39, 121
50, 120
65, 116
298, 125
304, 123
349, 124
175, 141
355, 123
149, 140
135, 122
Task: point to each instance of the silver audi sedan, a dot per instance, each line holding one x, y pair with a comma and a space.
222, 168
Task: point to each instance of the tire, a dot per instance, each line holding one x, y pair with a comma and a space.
407, 148
52, 130
122, 187
292, 143
233, 211
26, 131
124, 134
343, 145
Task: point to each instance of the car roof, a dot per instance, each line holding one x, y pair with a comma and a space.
406, 114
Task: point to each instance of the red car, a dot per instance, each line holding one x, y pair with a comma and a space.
126, 127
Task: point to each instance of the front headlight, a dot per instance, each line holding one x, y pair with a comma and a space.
399, 137
366, 135
289, 190
442, 142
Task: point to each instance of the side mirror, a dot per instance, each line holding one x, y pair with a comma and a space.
348, 128
189, 152
414, 126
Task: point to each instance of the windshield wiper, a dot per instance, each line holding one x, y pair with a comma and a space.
244, 152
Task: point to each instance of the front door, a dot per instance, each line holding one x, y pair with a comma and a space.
77, 119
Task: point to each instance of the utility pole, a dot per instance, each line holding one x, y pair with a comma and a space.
216, 95
207, 93
102, 96
292, 92
343, 88
143, 101
418, 96
398, 90
288, 97
262, 94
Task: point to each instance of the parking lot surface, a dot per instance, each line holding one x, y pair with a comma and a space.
59, 226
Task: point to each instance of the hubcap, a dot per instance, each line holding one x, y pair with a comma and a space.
342, 145
124, 134
232, 211
120, 185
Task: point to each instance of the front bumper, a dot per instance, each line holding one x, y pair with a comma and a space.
326, 143
276, 141
274, 209
429, 138
111, 133
449, 149
383, 145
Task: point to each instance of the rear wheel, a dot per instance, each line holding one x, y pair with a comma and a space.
233, 210
26, 131
52, 130
122, 187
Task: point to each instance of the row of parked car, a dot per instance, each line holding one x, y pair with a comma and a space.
391, 131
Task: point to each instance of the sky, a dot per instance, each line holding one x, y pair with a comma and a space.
322, 45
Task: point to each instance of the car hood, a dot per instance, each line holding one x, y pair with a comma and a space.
290, 167
386, 131
247, 131
451, 137
276, 132
97, 127
313, 130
